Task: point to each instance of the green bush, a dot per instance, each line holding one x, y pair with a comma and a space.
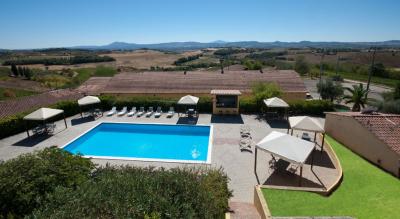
133, 192
310, 107
26, 180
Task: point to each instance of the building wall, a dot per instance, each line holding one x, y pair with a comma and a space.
353, 135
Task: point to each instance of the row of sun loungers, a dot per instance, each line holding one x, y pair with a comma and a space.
245, 139
150, 111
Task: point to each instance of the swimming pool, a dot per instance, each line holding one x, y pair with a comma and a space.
147, 142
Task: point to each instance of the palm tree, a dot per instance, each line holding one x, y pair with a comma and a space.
358, 97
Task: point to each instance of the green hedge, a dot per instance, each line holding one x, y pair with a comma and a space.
26, 180
14, 124
133, 192
53, 183
310, 107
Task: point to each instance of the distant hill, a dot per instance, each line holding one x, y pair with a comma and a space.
242, 44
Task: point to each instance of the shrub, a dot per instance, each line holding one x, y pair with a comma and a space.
329, 90
262, 91
8, 93
133, 192
310, 107
301, 66
26, 180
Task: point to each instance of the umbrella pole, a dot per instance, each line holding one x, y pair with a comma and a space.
292, 132
322, 144
315, 137
27, 129
301, 175
65, 121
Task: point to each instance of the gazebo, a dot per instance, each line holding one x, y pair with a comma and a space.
306, 123
286, 147
43, 114
276, 102
188, 100
86, 101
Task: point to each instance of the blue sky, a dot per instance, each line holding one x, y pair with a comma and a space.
57, 23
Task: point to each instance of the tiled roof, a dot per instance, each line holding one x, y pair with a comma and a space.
201, 81
226, 92
386, 127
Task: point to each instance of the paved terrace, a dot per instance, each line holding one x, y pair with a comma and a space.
238, 165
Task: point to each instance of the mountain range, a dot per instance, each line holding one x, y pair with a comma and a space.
242, 44
190, 45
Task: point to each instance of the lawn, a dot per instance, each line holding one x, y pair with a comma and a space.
10, 93
366, 192
359, 77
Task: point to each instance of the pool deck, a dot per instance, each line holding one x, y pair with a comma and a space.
225, 152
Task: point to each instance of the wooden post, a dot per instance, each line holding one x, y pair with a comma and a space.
315, 137
312, 157
323, 141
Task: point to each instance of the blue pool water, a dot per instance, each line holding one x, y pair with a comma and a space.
145, 142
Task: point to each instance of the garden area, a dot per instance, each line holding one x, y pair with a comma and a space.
53, 183
365, 192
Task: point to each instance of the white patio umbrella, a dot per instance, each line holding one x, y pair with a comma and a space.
87, 100
188, 100
276, 102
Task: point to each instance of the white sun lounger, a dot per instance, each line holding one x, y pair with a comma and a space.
158, 112
171, 112
141, 111
123, 111
112, 111
132, 112
149, 112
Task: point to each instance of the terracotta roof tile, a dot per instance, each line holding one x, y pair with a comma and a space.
385, 127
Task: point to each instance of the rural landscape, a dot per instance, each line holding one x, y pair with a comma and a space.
134, 117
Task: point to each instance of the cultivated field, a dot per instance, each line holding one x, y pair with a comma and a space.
144, 59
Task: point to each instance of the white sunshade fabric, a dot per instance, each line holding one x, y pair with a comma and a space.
275, 102
43, 114
306, 123
88, 100
188, 100
287, 147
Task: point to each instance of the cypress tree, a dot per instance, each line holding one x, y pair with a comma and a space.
14, 70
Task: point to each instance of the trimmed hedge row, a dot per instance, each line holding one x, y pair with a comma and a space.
14, 124
134, 192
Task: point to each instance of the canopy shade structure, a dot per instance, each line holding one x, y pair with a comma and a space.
286, 147
43, 114
306, 123
188, 100
88, 100
276, 102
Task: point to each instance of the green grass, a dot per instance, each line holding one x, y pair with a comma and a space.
16, 93
366, 192
359, 77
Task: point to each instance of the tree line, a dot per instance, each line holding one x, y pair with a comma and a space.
182, 60
21, 71
60, 61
